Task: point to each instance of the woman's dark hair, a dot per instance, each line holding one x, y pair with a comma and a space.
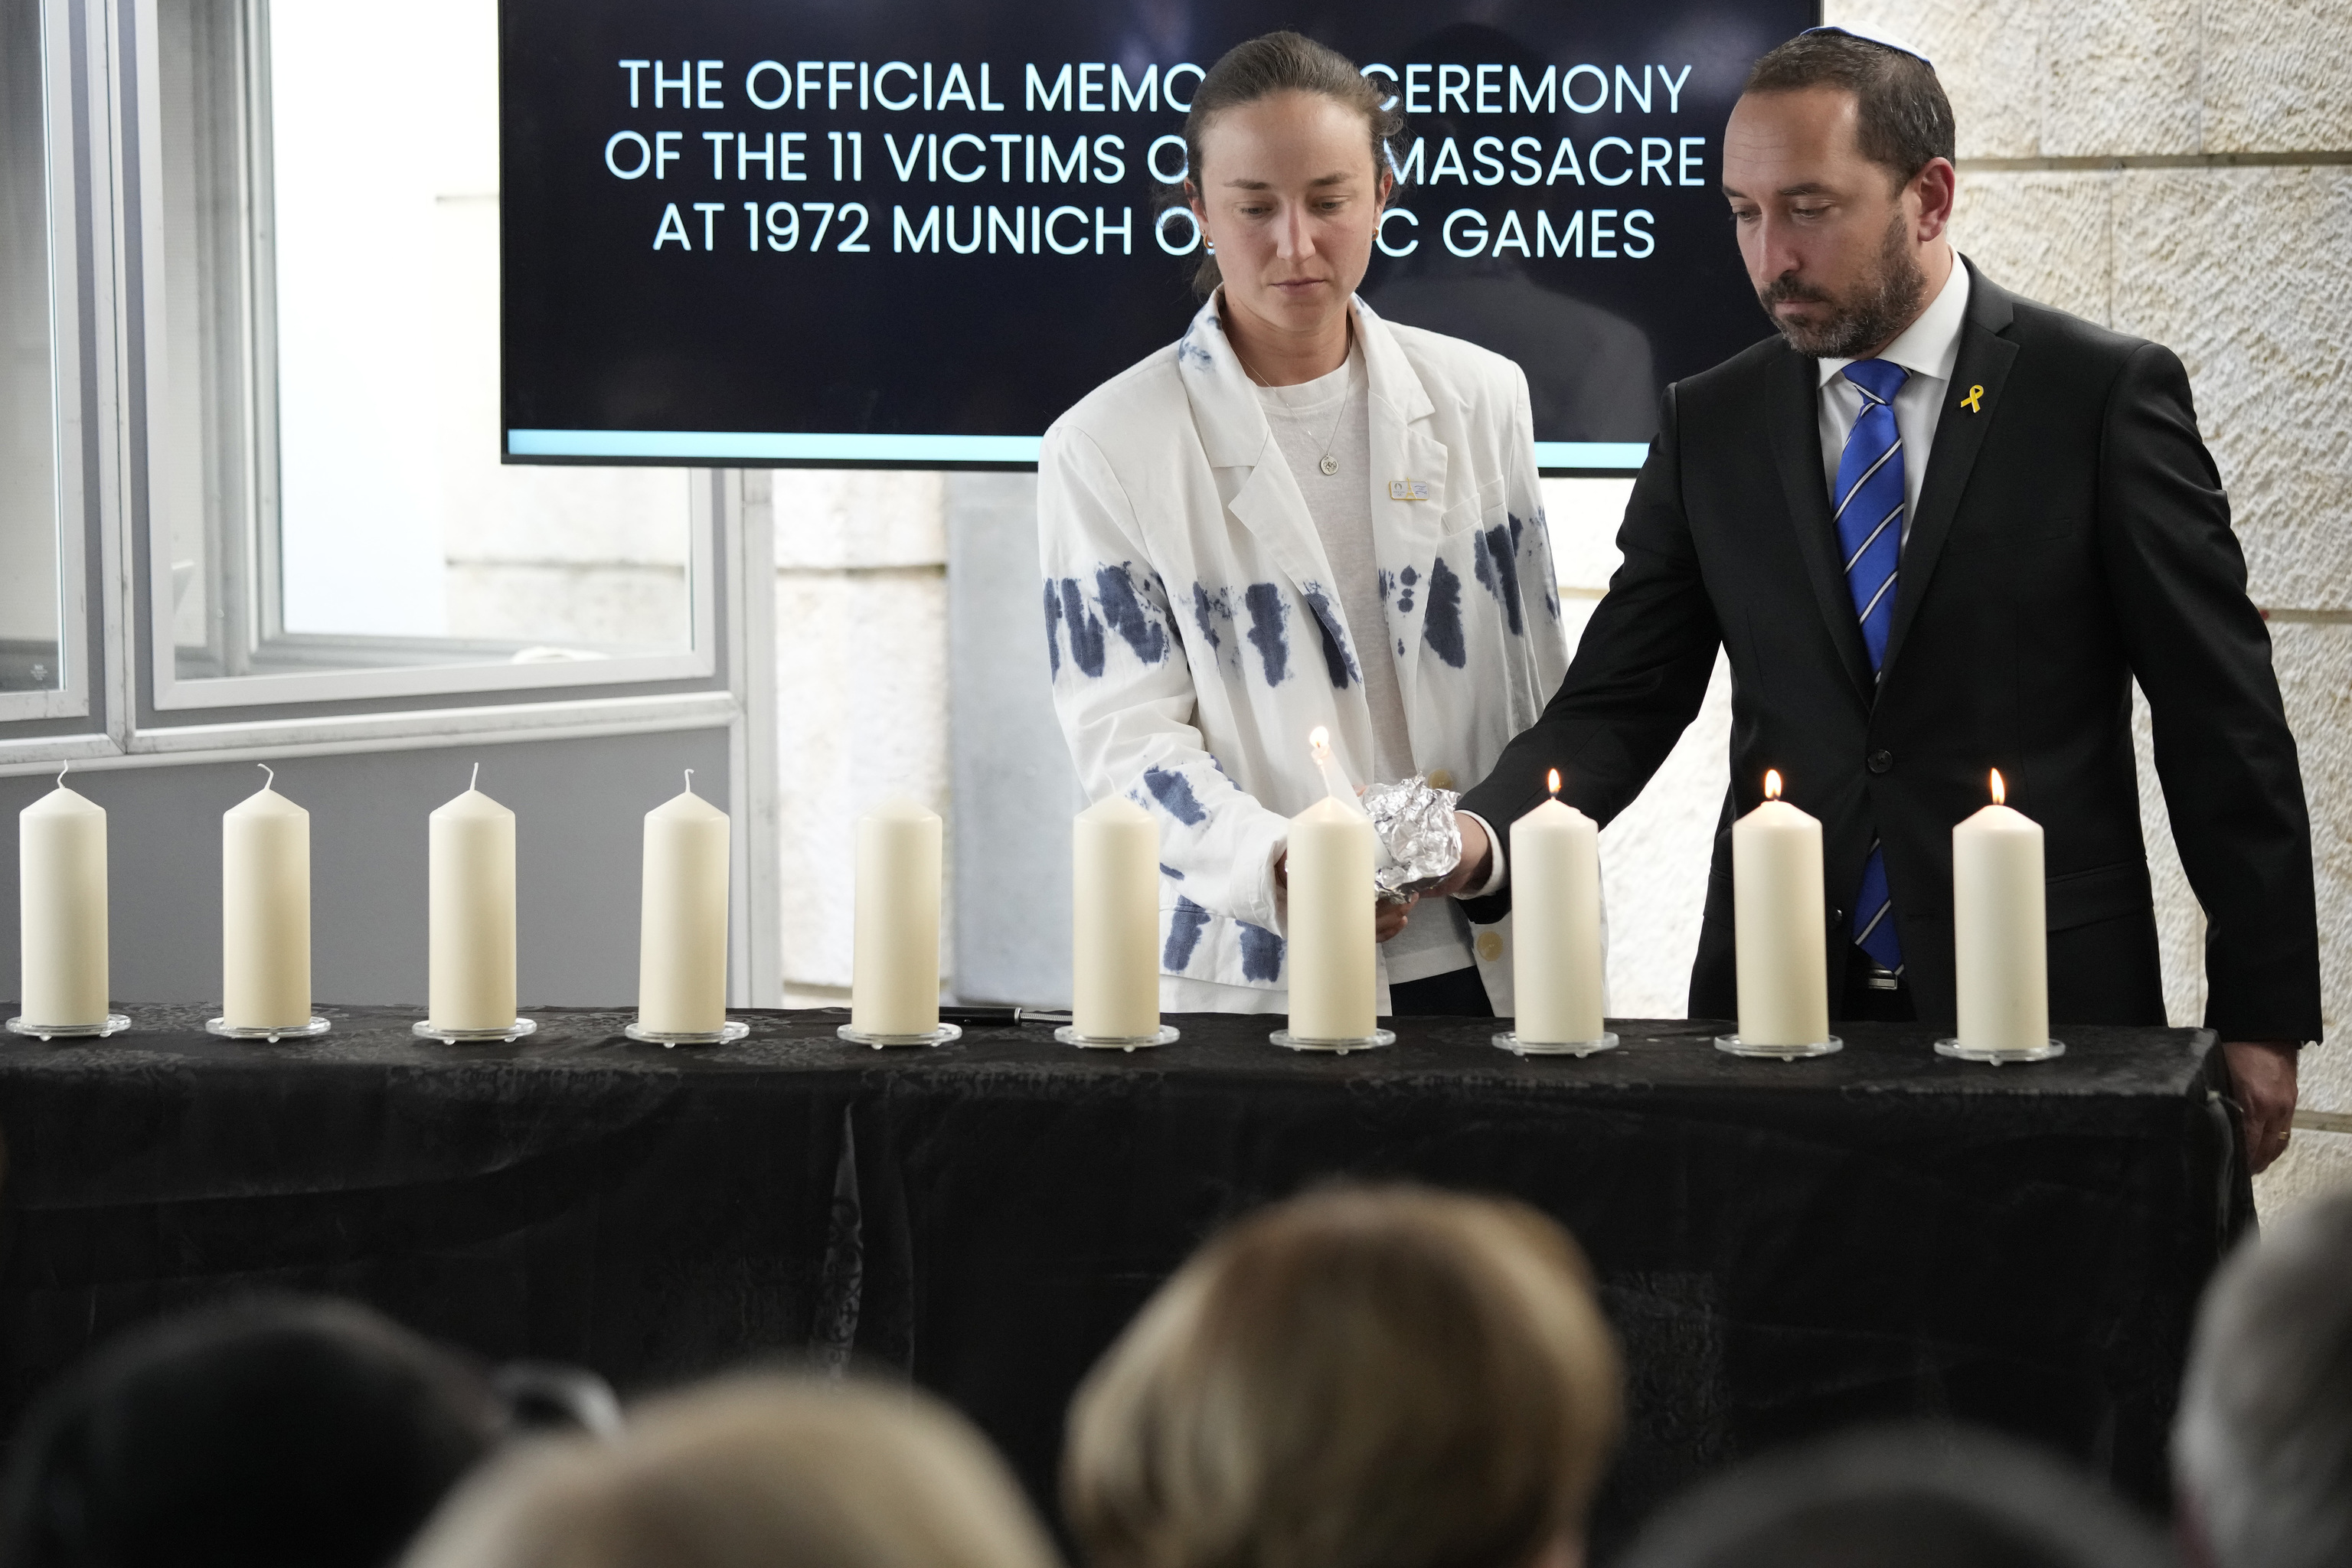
272, 1433
1279, 62
1902, 120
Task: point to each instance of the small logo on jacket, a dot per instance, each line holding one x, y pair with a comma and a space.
1407, 490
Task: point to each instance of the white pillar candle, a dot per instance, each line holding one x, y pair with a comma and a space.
1115, 936
2000, 937
682, 918
895, 969
471, 940
1776, 869
266, 911
1330, 943
1555, 918
61, 908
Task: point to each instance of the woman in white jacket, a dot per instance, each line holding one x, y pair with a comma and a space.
1297, 515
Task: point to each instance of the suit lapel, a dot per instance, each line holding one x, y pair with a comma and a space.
1795, 415
1978, 375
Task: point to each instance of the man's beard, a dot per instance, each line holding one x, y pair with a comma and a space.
1883, 304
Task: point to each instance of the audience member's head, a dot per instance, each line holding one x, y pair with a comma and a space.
1902, 1497
1360, 1378
750, 1472
273, 1431
2262, 1450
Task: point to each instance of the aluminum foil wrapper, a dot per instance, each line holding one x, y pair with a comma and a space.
1419, 842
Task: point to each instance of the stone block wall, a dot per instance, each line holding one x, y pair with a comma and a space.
2181, 170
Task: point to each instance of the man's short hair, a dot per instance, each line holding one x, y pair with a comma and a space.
2264, 1443
1903, 119
1913, 1496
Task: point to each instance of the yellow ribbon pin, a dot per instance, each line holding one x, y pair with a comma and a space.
1973, 402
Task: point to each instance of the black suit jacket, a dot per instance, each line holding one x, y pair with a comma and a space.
2072, 535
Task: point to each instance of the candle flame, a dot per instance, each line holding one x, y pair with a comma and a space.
1771, 784
1552, 782
1999, 790
475, 780
1319, 740
689, 781
269, 775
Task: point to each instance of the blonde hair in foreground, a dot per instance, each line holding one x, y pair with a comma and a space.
751, 1472
1360, 1378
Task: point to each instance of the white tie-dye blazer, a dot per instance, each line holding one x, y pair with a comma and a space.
1195, 635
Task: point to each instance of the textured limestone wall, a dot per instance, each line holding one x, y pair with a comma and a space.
2183, 170
862, 688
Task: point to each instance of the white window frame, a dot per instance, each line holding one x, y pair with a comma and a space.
442, 677
70, 698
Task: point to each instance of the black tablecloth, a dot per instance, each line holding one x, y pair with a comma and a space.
1783, 1247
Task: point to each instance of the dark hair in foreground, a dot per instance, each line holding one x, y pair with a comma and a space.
2262, 1448
1903, 119
272, 1432
1265, 66
1384, 1377
1901, 1497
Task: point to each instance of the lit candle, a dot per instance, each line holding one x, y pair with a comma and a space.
2001, 940
682, 918
472, 893
1330, 939
266, 911
1776, 869
895, 969
62, 910
1115, 945
1555, 918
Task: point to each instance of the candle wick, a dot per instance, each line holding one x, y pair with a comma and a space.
689, 781
63, 768
269, 781
474, 781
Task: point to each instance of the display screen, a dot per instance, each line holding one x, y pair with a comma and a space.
914, 232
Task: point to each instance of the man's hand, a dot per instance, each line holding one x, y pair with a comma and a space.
1388, 917
2262, 1073
1471, 870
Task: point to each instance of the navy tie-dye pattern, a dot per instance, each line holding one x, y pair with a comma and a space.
1053, 628
1337, 659
1174, 793
1185, 924
1268, 612
1138, 626
1506, 586
1441, 626
1204, 611
1172, 874
1405, 600
1388, 584
1261, 952
1085, 632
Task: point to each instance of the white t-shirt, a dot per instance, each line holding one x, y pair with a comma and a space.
1331, 415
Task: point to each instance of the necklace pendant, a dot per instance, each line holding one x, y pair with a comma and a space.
1329, 465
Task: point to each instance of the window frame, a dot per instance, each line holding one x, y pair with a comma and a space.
252, 560
64, 200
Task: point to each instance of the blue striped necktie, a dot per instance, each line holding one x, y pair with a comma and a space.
1870, 537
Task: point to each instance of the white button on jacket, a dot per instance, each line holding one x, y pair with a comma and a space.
1196, 637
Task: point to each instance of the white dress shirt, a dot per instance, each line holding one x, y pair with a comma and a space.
1927, 349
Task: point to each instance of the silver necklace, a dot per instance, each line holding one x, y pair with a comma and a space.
1327, 463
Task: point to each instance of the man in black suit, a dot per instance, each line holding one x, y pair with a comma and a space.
1939, 530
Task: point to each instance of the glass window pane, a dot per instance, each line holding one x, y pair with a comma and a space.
29, 588
333, 220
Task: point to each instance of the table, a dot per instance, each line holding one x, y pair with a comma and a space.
1783, 1247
